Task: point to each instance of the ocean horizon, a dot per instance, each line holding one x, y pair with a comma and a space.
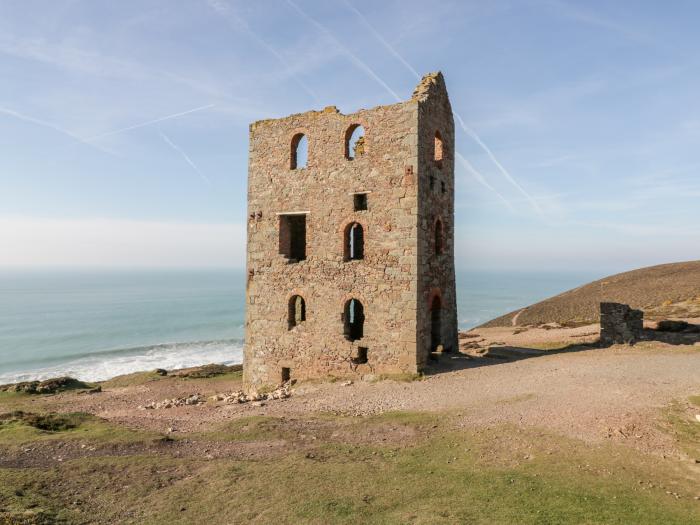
94, 325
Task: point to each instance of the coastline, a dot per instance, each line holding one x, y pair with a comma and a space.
106, 365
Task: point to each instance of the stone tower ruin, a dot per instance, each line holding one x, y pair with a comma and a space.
350, 257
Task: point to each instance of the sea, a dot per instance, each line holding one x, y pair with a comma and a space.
94, 325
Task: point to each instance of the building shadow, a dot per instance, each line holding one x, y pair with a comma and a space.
672, 333
495, 355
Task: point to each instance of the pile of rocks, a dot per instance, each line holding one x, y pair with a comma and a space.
239, 396
229, 398
194, 399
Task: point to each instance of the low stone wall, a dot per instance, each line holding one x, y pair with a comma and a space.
620, 324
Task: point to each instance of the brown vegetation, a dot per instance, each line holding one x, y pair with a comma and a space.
668, 290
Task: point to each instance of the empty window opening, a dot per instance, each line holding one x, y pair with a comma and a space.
354, 242
439, 237
354, 320
361, 357
438, 150
296, 313
354, 142
286, 374
432, 182
293, 237
443, 188
300, 152
360, 201
435, 324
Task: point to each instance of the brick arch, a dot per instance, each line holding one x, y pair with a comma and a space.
352, 295
341, 230
348, 128
344, 321
288, 306
290, 145
439, 148
435, 292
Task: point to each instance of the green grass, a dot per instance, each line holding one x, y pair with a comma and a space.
19, 428
142, 378
684, 427
137, 378
501, 475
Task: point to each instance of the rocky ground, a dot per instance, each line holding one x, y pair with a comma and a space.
520, 392
551, 377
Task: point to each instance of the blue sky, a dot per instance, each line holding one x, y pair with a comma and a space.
124, 125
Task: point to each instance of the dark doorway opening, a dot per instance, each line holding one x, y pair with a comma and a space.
360, 201
293, 237
296, 311
354, 317
435, 324
354, 242
361, 358
286, 374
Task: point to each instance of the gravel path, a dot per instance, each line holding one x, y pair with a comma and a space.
594, 394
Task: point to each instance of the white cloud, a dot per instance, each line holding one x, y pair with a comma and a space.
31, 242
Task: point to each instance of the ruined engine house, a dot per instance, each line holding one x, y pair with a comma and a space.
350, 255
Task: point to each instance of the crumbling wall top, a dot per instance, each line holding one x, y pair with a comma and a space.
429, 84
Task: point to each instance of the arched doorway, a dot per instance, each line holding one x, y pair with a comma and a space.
354, 242
354, 320
435, 323
296, 311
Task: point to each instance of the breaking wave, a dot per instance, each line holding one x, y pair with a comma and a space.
100, 366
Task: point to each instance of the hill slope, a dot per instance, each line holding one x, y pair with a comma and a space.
667, 290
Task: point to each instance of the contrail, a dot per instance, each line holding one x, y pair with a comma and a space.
353, 58
49, 125
383, 41
223, 8
150, 122
184, 156
466, 129
481, 180
493, 158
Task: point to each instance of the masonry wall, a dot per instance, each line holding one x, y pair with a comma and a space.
384, 281
436, 271
620, 324
394, 278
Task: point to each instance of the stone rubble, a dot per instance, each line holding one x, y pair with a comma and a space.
194, 399
229, 398
239, 396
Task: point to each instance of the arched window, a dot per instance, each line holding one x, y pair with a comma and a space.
435, 323
354, 242
300, 152
354, 320
354, 142
438, 149
296, 313
439, 238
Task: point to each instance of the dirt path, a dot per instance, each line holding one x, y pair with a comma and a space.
583, 392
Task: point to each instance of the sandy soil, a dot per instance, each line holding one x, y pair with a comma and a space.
570, 387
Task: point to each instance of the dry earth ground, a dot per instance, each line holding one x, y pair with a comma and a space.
515, 394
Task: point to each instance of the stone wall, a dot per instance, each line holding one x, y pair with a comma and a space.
398, 272
620, 324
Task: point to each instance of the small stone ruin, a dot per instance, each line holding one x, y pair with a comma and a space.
620, 324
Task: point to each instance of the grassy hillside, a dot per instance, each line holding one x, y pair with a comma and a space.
664, 291
394, 468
